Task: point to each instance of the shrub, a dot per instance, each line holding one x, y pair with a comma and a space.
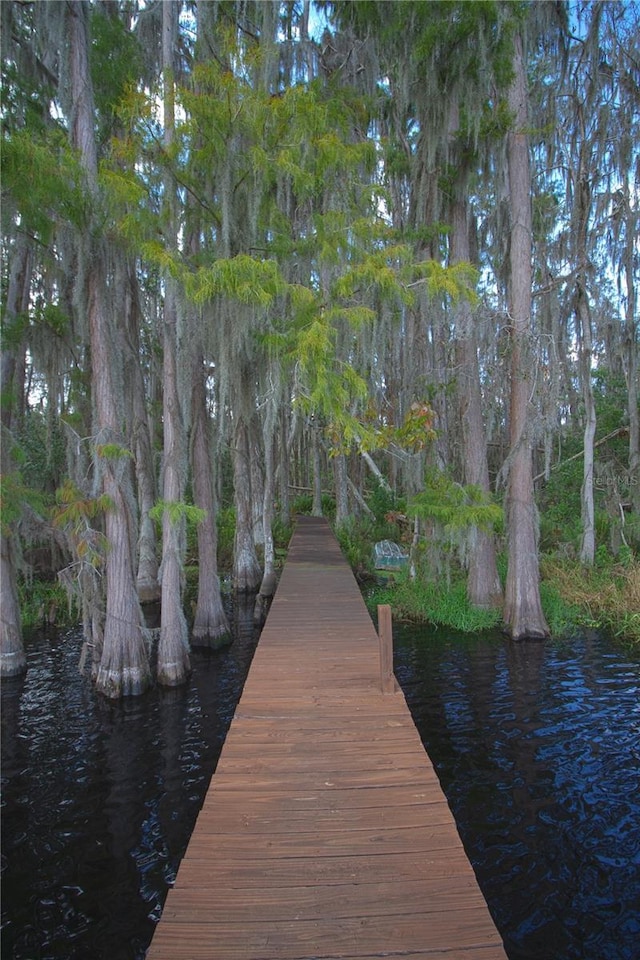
429, 602
45, 603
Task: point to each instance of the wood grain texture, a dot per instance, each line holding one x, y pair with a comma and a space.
324, 833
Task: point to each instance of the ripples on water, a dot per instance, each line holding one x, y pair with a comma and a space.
100, 798
537, 746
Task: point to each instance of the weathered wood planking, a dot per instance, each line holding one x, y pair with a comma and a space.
324, 833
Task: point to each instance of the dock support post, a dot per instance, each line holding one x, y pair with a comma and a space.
385, 643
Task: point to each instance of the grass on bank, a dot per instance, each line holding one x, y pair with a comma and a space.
572, 596
606, 595
421, 602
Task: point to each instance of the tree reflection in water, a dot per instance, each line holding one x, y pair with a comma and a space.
537, 748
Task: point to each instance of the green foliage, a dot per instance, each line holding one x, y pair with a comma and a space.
42, 179
13, 329
176, 511
243, 278
356, 538
559, 499
605, 595
116, 63
52, 316
434, 603
226, 523
45, 602
382, 502
41, 454
562, 616
113, 451
560, 525
357, 535
72, 507
453, 506
610, 396
14, 495
448, 283
74, 514
281, 534
415, 433
303, 504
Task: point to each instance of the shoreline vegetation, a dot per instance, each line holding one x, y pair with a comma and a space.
573, 597
605, 596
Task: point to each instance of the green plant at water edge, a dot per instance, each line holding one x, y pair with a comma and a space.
562, 616
356, 538
606, 595
428, 602
46, 602
281, 534
357, 535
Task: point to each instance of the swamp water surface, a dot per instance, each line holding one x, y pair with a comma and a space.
537, 747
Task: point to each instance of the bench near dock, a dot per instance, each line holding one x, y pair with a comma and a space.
324, 832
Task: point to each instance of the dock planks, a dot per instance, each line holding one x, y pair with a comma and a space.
324, 833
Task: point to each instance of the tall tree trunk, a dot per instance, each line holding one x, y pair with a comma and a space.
124, 666
173, 648
588, 544
12, 657
316, 509
13, 661
631, 353
284, 454
16, 303
210, 625
269, 580
483, 583
257, 483
246, 569
582, 209
523, 614
342, 488
147, 573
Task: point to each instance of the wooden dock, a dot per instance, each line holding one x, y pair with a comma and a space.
324, 833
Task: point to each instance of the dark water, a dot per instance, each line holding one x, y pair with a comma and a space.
99, 798
537, 746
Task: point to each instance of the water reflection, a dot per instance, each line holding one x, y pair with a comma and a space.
100, 798
537, 746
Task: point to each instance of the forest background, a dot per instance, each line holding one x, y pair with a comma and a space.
373, 260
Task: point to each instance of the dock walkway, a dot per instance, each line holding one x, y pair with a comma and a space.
324, 833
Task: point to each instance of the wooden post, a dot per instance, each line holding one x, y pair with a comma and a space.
385, 638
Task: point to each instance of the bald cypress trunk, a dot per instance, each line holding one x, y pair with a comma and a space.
268, 584
210, 625
123, 668
140, 439
173, 649
12, 657
523, 614
247, 573
342, 488
483, 583
631, 370
316, 509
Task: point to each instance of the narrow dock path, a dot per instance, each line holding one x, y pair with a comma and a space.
324, 833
